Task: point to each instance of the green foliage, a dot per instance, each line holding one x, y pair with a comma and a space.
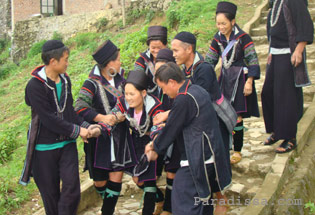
311, 206
102, 23
86, 41
3, 44
57, 36
8, 144
149, 16
134, 43
36, 49
6, 69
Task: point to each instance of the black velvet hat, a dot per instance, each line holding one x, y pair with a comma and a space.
186, 37
157, 32
104, 52
52, 45
165, 55
226, 7
138, 78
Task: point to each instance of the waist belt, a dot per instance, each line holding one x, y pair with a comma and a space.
184, 163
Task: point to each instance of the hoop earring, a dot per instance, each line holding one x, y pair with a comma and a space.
110, 74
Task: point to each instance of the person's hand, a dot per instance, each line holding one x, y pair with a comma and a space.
248, 88
152, 155
120, 117
160, 117
84, 134
269, 58
148, 147
296, 58
94, 130
109, 119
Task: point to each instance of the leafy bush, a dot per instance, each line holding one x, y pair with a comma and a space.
36, 49
57, 36
102, 23
6, 69
8, 144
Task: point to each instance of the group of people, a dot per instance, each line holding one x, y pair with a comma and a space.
170, 112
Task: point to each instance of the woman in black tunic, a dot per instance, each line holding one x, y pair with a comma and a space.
289, 28
108, 155
139, 108
239, 69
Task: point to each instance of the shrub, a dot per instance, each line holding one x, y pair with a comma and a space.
57, 36
8, 144
36, 49
6, 69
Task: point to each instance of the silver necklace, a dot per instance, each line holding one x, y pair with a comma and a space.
55, 96
227, 63
142, 129
274, 20
104, 98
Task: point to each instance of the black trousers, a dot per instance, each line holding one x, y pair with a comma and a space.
51, 167
282, 102
185, 200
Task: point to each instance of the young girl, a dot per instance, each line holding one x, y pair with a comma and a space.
239, 69
108, 155
139, 108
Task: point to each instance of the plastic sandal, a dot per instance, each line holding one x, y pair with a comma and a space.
287, 145
236, 157
270, 140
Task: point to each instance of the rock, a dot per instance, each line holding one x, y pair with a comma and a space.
263, 149
255, 142
131, 205
124, 211
263, 169
237, 188
255, 135
108, 6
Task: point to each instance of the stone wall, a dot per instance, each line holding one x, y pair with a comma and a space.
5, 18
35, 29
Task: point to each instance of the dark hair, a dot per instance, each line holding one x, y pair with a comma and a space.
169, 71
137, 86
162, 39
55, 53
111, 58
193, 46
229, 16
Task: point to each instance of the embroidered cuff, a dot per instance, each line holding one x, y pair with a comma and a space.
75, 132
85, 124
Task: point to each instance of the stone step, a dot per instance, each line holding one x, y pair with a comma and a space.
261, 30
264, 13
260, 40
263, 20
262, 51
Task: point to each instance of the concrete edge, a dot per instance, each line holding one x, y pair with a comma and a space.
275, 178
254, 21
89, 197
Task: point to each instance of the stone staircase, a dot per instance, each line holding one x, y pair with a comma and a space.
249, 174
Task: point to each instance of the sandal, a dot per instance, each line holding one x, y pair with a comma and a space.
158, 208
236, 157
287, 145
270, 140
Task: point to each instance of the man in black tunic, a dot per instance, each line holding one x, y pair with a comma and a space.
203, 159
290, 29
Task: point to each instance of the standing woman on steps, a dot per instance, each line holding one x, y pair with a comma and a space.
239, 69
289, 28
112, 152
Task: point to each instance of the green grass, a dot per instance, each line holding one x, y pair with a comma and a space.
190, 15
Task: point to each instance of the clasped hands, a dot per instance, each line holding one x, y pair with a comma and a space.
92, 131
149, 152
